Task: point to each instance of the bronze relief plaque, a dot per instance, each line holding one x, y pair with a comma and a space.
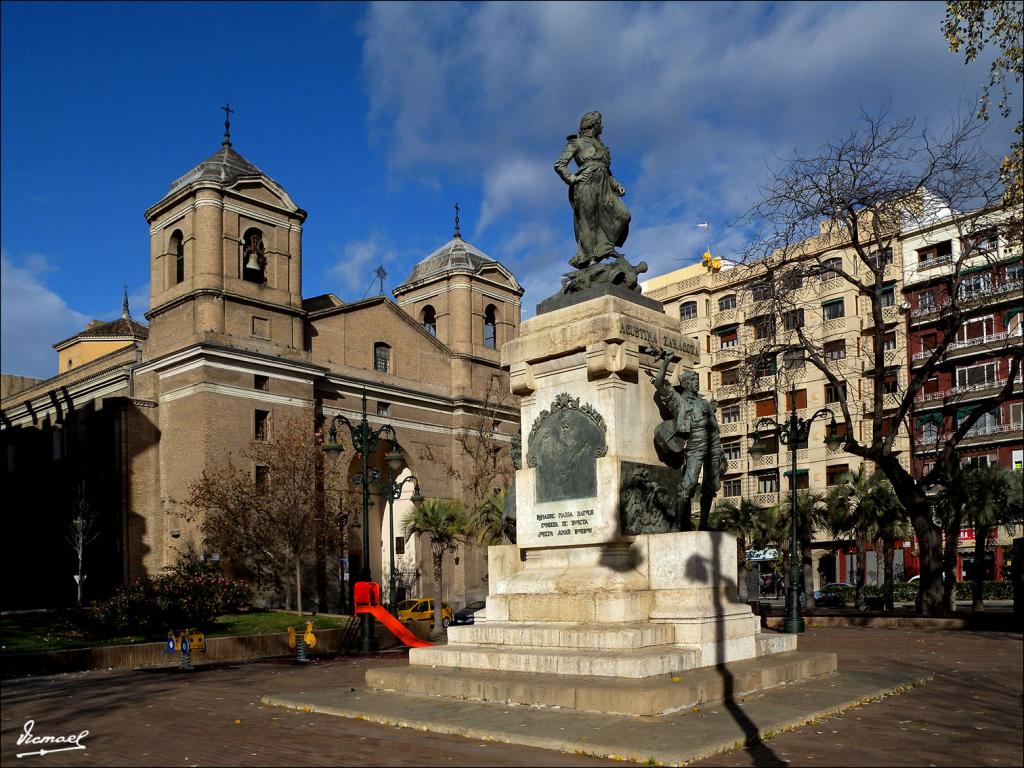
564, 445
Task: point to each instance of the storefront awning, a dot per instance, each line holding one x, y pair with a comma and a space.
727, 328
1010, 314
799, 471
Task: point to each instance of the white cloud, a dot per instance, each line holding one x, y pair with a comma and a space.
32, 318
516, 184
356, 261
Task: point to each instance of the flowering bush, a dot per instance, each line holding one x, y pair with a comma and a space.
175, 600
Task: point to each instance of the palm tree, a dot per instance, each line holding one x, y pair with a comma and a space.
747, 521
993, 492
810, 513
487, 525
863, 505
444, 521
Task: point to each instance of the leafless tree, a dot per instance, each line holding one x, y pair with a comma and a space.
836, 214
81, 533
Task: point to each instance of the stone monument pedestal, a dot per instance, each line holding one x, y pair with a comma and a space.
591, 594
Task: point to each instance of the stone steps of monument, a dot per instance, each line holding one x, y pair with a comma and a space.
563, 635
621, 662
650, 696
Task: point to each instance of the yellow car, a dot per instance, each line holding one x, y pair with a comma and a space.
423, 610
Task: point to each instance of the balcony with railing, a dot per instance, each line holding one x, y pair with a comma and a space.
962, 390
727, 317
964, 346
994, 293
1012, 429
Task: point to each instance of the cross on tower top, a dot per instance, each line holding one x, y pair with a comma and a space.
457, 232
227, 123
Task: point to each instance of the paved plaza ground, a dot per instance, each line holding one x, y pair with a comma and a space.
969, 714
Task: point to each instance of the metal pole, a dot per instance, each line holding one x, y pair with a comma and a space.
391, 531
368, 641
794, 623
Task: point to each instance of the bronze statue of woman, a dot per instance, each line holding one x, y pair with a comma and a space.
600, 218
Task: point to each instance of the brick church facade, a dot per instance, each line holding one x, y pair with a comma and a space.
137, 411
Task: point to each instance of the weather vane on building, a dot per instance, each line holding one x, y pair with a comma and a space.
227, 123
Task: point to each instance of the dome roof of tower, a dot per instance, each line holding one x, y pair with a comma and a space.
223, 166
454, 255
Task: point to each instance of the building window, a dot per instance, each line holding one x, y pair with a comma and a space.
490, 327
891, 384
761, 291
973, 375
801, 399
71, 363
765, 366
975, 286
730, 414
728, 339
935, 253
984, 241
889, 342
399, 545
731, 450
889, 296
688, 310
381, 357
727, 302
262, 476
886, 260
254, 259
926, 301
831, 268
383, 409
793, 319
930, 432
986, 460
178, 249
765, 407
978, 329
793, 359
261, 430
764, 327
429, 319
793, 281
837, 474
732, 487
261, 383
832, 392
835, 350
730, 376
833, 310
1014, 274
802, 480
768, 483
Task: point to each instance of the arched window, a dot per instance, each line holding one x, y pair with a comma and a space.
381, 357
688, 310
429, 318
177, 247
490, 327
254, 261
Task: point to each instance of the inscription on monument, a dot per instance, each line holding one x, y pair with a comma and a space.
652, 337
568, 523
563, 447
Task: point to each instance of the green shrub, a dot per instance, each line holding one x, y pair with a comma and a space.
992, 590
176, 600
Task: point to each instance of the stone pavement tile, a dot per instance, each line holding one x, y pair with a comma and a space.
159, 717
970, 714
669, 740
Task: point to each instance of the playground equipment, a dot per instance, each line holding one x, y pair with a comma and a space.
367, 600
301, 642
185, 641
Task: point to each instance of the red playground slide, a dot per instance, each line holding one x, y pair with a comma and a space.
367, 600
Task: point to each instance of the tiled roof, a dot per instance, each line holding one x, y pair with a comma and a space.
223, 166
456, 254
123, 327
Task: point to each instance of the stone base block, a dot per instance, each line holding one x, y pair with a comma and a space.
626, 663
768, 644
650, 696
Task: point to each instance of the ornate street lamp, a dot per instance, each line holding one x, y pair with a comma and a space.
792, 432
364, 440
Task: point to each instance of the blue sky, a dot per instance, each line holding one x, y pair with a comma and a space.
377, 118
